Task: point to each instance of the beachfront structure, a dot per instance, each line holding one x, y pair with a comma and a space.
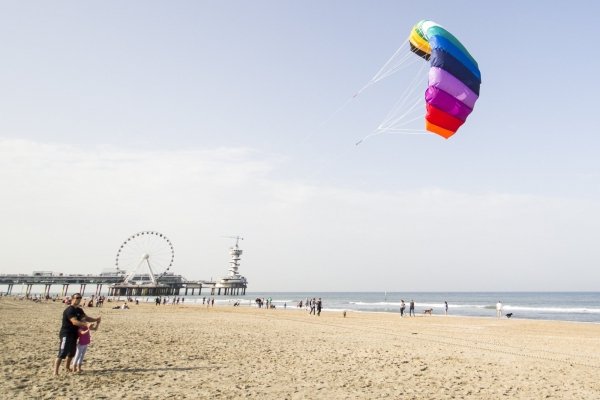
136, 283
233, 284
168, 284
150, 284
48, 279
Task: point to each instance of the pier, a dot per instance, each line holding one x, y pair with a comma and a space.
146, 282
49, 279
168, 285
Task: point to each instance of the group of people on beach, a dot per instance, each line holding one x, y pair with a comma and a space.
411, 308
208, 302
315, 306
165, 300
74, 335
266, 303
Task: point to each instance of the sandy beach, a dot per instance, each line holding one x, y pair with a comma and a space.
191, 352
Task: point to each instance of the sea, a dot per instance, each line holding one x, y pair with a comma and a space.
558, 306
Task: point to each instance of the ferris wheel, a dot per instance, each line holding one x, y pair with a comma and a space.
148, 250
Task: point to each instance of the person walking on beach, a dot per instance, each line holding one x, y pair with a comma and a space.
319, 305
402, 307
313, 306
73, 317
446, 306
411, 309
498, 309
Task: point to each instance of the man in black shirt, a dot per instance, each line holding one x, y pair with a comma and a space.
73, 318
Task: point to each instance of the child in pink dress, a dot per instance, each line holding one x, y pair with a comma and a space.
84, 339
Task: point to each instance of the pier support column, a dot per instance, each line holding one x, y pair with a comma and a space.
82, 289
28, 290
10, 288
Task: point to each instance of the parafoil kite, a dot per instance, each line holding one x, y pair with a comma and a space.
454, 77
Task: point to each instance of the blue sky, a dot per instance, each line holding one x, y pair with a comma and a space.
207, 119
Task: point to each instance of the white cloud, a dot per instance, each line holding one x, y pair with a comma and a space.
67, 209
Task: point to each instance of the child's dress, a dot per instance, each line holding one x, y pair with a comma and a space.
82, 344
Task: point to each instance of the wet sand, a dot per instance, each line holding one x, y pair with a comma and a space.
191, 352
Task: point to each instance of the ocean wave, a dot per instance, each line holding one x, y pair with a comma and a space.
577, 310
377, 303
419, 305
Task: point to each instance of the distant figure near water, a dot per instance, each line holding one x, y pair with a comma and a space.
411, 309
402, 307
498, 309
319, 306
446, 306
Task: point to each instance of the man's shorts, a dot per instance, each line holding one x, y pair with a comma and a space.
68, 346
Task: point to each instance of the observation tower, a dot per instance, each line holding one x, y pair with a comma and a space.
234, 283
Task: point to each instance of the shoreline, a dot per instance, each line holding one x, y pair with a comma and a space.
249, 304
